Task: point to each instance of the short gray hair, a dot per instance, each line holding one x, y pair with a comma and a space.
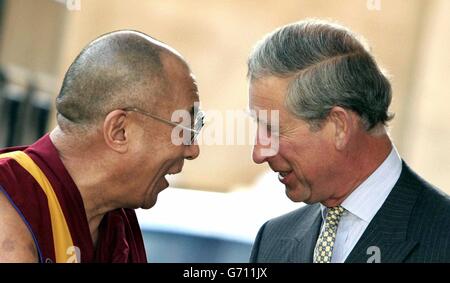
330, 66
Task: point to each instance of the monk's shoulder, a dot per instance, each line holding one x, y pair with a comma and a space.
16, 241
11, 173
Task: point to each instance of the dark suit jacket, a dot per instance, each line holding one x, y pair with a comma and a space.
413, 225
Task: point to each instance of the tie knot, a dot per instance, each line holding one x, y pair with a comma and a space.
334, 214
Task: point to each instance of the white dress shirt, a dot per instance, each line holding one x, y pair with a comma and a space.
362, 205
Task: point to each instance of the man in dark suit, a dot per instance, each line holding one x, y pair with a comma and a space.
326, 137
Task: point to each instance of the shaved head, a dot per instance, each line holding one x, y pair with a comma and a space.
117, 70
115, 134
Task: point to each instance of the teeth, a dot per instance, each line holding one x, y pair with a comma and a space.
282, 175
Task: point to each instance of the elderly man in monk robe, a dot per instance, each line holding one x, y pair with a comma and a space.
70, 197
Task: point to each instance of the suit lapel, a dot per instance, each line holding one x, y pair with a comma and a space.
302, 245
376, 246
385, 237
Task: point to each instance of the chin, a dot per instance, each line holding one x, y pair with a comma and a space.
148, 204
299, 194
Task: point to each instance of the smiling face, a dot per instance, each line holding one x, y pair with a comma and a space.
306, 160
153, 154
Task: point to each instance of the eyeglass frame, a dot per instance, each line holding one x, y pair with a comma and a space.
200, 116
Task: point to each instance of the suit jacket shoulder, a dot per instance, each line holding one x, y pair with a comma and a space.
282, 239
430, 224
413, 224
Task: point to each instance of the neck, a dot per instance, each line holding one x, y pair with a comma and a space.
89, 180
360, 162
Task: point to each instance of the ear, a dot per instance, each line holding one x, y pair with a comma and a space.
342, 119
114, 131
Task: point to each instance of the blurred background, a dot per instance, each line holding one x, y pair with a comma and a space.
217, 204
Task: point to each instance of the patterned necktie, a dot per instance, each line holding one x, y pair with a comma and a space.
324, 246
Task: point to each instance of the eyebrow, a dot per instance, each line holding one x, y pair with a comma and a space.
265, 122
259, 120
194, 89
254, 116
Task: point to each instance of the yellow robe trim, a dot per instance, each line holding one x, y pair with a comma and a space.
61, 236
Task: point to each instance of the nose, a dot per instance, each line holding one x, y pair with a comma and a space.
257, 155
192, 151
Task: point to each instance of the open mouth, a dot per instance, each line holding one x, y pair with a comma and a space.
283, 175
173, 173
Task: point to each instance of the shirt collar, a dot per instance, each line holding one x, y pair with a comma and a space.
365, 201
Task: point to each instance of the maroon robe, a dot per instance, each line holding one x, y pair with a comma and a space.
119, 239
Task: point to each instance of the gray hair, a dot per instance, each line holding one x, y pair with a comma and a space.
330, 66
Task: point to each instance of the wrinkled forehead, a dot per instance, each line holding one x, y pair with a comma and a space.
268, 88
182, 89
267, 94
186, 93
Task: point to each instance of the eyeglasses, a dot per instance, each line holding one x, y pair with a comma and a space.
195, 131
